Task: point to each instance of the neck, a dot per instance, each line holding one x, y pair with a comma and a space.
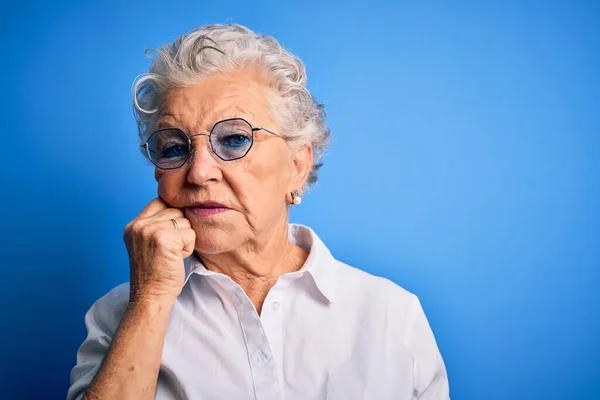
257, 265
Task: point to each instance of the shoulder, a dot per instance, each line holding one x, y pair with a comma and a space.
380, 301
106, 312
390, 309
102, 321
352, 281
116, 297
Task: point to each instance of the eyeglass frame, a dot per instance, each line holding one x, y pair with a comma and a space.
191, 146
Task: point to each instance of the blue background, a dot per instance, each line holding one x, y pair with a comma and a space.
465, 166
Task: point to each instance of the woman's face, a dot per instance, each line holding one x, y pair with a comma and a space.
256, 188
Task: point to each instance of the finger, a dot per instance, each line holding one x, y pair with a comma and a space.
152, 208
151, 226
181, 223
168, 213
188, 237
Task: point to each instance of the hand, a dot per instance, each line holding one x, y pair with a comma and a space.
156, 251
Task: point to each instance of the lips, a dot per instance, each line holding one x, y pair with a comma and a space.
207, 204
207, 208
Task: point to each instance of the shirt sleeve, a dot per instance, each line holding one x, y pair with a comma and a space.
101, 321
430, 377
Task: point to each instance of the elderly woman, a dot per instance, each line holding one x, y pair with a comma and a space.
227, 300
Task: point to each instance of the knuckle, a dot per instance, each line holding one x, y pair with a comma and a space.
135, 227
160, 237
145, 231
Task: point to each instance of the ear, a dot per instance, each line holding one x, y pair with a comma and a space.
303, 163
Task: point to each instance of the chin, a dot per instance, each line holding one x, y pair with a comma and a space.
212, 239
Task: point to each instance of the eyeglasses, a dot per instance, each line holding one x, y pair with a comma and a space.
230, 139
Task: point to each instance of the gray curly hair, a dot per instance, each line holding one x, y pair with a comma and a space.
215, 48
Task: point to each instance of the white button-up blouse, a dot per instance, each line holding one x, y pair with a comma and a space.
327, 331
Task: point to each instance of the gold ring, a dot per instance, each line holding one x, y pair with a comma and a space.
175, 224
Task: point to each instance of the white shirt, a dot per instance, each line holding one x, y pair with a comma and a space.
328, 331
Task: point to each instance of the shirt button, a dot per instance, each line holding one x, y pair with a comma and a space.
275, 306
261, 357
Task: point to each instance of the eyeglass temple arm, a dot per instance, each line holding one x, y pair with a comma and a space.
145, 145
258, 128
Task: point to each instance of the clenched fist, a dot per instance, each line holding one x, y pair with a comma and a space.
157, 241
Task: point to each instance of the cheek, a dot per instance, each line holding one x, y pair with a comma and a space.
259, 181
169, 184
272, 163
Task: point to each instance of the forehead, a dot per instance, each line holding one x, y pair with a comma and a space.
240, 93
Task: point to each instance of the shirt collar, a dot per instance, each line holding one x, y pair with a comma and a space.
320, 264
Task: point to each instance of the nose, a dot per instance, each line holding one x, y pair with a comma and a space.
204, 167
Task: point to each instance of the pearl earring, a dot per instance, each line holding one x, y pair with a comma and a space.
296, 198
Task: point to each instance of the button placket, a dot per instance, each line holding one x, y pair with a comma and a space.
264, 373
261, 357
266, 380
272, 320
261, 363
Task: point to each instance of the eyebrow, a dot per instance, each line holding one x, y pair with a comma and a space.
161, 120
237, 113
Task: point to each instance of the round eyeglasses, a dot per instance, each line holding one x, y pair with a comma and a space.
230, 139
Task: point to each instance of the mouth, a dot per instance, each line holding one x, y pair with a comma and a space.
206, 208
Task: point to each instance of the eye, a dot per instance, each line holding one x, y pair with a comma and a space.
235, 140
174, 150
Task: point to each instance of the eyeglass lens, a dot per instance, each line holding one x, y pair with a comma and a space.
229, 140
